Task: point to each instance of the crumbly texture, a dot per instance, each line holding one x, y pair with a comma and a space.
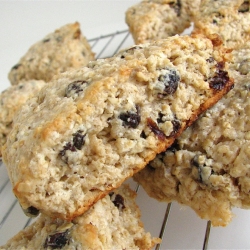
112, 223
229, 19
94, 127
59, 51
158, 19
208, 167
11, 100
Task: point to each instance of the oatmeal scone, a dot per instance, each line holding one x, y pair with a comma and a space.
228, 18
207, 167
57, 52
158, 19
11, 99
112, 223
94, 127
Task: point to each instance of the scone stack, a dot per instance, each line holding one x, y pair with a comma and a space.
76, 141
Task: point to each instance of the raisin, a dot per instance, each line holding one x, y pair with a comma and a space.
244, 7
57, 240
68, 146
177, 7
210, 59
167, 83
143, 135
174, 147
75, 88
131, 119
78, 139
176, 126
155, 129
16, 66
32, 211
119, 202
46, 40
160, 118
219, 81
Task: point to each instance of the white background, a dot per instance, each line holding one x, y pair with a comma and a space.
22, 23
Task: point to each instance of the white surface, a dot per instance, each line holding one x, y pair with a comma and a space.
22, 23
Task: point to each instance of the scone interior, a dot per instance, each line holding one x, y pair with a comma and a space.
94, 127
112, 223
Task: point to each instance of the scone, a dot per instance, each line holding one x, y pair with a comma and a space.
94, 127
59, 51
11, 100
207, 168
158, 19
228, 18
112, 223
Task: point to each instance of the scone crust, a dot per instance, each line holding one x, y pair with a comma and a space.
94, 127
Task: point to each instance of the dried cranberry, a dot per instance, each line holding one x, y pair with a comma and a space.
155, 129
131, 119
57, 240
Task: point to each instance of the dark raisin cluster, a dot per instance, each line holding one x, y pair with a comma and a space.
78, 142
170, 81
57, 240
220, 79
131, 119
118, 200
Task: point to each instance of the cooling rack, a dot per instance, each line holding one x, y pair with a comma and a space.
160, 219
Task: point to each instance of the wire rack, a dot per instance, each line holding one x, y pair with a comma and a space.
155, 215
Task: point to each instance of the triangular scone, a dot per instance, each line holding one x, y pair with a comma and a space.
94, 127
112, 223
64, 49
230, 19
158, 19
11, 99
207, 168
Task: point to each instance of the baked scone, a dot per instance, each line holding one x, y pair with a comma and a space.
207, 168
112, 223
11, 100
94, 127
158, 19
57, 52
228, 18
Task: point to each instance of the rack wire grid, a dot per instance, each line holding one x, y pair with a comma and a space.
178, 227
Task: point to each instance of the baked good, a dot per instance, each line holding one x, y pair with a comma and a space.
112, 223
207, 168
94, 127
230, 19
158, 19
57, 52
11, 100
